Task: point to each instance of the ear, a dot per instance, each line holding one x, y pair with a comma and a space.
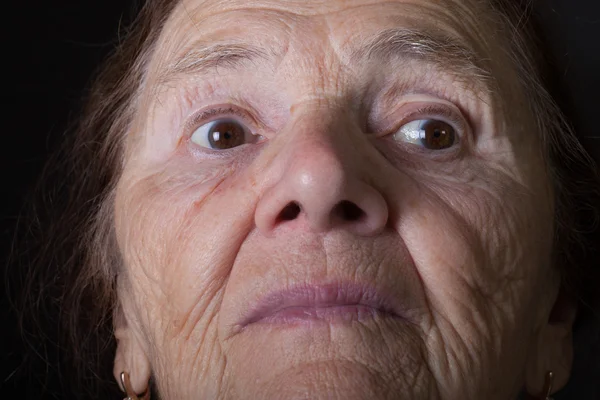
130, 356
554, 348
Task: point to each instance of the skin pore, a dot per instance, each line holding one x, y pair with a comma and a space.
324, 189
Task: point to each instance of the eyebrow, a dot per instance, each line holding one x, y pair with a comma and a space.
202, 57
441, 50
444, 52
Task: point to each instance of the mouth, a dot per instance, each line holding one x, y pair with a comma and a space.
331, 303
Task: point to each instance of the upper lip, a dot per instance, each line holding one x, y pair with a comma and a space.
320, 295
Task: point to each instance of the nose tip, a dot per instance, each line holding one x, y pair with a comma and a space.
319, 193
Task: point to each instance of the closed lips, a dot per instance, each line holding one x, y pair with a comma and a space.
333, 302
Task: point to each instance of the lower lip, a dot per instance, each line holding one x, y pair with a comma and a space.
329, 314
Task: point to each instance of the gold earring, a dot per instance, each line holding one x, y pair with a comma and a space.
548, 386
131, 395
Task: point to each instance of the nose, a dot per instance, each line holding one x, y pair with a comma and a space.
321, 184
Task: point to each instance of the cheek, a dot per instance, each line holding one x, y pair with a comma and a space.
479, 246
471, 219
171, 234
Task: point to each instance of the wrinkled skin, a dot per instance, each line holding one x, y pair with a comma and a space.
459, 238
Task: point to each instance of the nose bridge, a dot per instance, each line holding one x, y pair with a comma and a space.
324, 141
321, 181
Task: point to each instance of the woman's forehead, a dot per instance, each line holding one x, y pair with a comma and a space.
328, 35
335, 23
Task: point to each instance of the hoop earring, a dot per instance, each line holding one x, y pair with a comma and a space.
131, 395
548, 386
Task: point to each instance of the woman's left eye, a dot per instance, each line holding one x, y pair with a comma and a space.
223, 134
429, 133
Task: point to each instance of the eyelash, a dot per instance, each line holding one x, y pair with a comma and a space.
204, 116
431, 111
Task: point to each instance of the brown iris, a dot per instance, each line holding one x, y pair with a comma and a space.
226, 134
437, 135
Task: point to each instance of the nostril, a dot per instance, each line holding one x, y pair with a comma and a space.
348, 211
289, 212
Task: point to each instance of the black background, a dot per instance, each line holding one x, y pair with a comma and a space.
52, 47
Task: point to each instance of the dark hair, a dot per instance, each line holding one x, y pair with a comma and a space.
68, 260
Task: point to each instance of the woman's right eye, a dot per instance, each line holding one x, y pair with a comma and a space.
223, 134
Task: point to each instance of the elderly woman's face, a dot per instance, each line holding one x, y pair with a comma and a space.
334, 199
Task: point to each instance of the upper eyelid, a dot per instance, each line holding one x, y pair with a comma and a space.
428, 111
451, 117
215, 113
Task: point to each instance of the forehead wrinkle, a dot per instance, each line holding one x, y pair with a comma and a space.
304, 8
